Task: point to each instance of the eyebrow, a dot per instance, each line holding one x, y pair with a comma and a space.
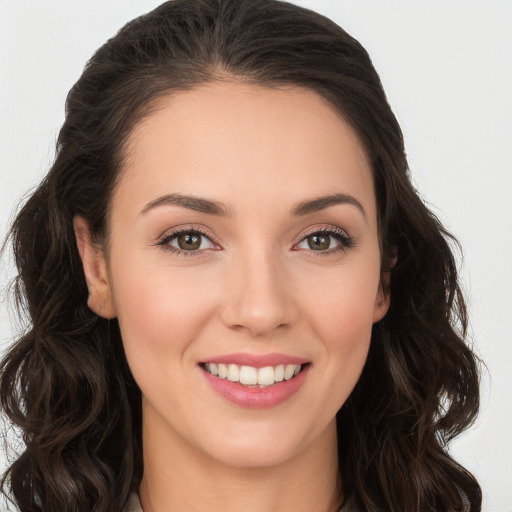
320, 203
191, 202
217, 208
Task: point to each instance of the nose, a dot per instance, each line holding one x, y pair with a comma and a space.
259, 297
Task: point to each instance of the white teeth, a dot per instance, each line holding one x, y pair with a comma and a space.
250, 376
223, 371
266, 376
289, 371
233, 373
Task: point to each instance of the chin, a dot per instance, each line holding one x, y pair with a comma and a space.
265, 455
257, 446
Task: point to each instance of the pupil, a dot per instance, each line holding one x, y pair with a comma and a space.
318, 242
189, 241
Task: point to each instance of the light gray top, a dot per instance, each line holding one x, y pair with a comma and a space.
134, 504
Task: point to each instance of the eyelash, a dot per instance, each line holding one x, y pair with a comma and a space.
345, 241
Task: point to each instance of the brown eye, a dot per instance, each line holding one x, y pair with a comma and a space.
319, 242
326, 241
189, 241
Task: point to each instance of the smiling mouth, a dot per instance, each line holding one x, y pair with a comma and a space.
252, 377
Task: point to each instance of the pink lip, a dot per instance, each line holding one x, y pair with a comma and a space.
257, 398
256, 361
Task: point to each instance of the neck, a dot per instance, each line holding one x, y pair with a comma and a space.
177, 477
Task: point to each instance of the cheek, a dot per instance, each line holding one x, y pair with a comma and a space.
339, 312
342, 304
159, 311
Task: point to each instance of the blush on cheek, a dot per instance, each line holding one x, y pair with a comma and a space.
159, 313
346, 310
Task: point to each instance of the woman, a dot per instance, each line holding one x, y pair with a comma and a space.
237, 298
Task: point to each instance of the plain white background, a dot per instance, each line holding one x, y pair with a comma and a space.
447, 68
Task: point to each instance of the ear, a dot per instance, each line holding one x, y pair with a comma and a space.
383, 299
382, 302
95, 269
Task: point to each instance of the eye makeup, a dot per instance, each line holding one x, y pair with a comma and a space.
324, 241
194, 241
187, 241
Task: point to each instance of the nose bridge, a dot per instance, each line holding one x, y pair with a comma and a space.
259, 299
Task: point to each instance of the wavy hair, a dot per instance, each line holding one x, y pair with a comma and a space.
65, 383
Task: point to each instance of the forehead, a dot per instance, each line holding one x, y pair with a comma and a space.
238, 140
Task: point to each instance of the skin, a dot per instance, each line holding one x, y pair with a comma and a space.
257, 287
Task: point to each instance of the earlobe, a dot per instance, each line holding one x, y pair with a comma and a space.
383, 299
95, 270
382, 303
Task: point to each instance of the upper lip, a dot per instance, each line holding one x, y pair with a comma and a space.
256, 360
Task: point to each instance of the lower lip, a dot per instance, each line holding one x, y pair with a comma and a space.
257, 398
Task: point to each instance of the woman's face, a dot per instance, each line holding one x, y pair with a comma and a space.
243, 242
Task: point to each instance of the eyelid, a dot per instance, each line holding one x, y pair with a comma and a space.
321, 228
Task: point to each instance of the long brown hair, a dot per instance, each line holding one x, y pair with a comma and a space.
66, 384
